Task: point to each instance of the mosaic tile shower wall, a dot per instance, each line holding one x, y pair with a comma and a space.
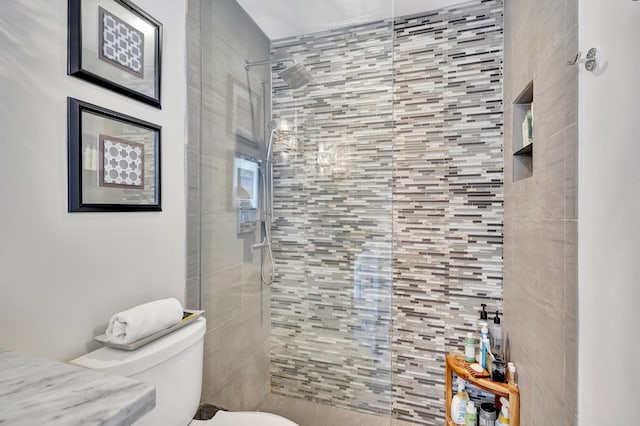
331, 299
448, 194
388, 204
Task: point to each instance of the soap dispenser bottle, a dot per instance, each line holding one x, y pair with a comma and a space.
483, 313
483, 321
495, 335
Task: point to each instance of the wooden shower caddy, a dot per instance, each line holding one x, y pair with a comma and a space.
455, 363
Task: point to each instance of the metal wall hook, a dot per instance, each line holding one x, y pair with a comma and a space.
589, 62
575, 60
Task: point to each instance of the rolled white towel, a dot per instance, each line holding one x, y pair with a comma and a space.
143, 320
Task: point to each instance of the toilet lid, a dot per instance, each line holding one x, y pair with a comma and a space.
244, 418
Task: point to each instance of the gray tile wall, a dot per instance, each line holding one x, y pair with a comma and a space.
194, 88
330, 301
540, 289
226, 111
430, 142
448, 194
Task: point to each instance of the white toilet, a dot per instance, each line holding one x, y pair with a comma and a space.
173, 364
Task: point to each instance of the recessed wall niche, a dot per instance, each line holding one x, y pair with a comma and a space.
523, 134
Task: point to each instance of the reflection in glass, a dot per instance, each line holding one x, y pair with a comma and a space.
245, 192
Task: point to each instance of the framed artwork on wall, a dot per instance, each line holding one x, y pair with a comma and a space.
115, 44
113, 161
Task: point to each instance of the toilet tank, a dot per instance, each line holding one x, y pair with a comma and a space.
173, 364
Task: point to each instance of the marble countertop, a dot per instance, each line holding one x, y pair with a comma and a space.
35, 391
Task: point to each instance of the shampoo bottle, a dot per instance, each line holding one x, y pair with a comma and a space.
484, 339
459, 404
471, 418
495, 335
503, 418
470, 348
512, 374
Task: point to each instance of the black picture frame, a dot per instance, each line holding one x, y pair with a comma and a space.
82, 136
95, 69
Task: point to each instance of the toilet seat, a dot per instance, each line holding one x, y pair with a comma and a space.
244, 418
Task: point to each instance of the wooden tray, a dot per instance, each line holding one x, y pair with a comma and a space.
467, 366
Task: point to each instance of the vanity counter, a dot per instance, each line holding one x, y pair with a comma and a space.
35, 391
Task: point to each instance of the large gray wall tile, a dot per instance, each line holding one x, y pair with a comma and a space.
194, 52
540, 289
225, 108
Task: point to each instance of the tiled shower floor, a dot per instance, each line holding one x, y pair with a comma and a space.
307, 413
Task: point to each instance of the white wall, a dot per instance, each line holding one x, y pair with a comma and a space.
285, 18
62, 275
609, 206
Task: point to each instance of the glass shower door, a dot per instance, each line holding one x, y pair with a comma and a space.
332, 229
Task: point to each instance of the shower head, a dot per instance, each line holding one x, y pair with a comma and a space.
295, 75
273, 126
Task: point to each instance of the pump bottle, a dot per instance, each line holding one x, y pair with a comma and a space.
459, 404
484, 340
483, 313
495, 335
